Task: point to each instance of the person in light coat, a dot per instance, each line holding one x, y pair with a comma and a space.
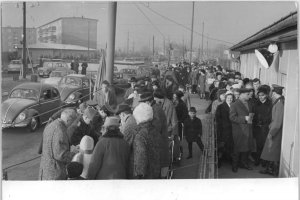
272, 148
56, 152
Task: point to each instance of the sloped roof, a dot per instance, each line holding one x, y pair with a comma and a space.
282, 30
57, 46
75, 18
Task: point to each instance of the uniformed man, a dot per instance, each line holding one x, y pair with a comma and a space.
272, 148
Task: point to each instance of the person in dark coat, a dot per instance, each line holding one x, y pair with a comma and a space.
56, 153
241, 130
84, 66
261, 120
130, 90
74, 170
84, 127
272, 148
170, 87
193, 131
201, 83
76, 66
110, 158
224, 130
106, 96
181, 110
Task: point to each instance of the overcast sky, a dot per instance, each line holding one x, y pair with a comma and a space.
227, 21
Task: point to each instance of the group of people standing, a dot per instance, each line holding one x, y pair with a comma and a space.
75, 66
103, 139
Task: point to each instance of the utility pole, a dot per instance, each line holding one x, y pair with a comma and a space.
112, 16
202, 40
88, 40
192, 32
207, 48
164, 46
24, 41
183, 48
127, 43
132, 46
153, 46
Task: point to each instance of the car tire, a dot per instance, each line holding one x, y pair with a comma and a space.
33, 124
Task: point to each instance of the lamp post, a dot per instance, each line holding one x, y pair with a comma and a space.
24, 41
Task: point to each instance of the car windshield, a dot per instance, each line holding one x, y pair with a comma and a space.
73, 81
15, 62
57, 74
24, 94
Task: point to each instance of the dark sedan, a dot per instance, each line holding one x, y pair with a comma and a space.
75, 88
30, 105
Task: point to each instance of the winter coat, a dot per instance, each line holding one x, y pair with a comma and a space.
129, 130
99, 97
261, 120
181, 111
81, 130
187, 100
146, 153
160, 123
172, 120
110, 158
173, 75
201, 83
169, 91
224, 126
215, 105
56, 152
241, 130
192, 129
272, 148
195, 75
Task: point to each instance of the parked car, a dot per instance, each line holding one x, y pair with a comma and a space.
48, 67
75, 88
56, 76
30, 105
16, 66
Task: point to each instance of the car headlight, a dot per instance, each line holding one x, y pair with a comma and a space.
22, 116
71, 97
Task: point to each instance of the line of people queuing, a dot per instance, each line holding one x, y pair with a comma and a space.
131, 140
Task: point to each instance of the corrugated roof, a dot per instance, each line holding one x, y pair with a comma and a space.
57, 46
67, 18
286, 25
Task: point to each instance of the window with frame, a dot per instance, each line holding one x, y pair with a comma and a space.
55, 93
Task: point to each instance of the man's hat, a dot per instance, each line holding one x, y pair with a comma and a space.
147, 79
111, 121
158, 94
155, 83
122, 108
244, 90
147, 96
277, 88
179, 94
170, 78
192, 109
90, 113
132, 80
107, 109
92, 103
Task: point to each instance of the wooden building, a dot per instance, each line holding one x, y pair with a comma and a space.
283, 71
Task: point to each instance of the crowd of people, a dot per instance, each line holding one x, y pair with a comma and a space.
102, 139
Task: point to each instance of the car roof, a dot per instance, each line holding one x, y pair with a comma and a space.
34, 86
76, 75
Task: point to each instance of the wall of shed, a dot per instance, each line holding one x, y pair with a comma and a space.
284, 71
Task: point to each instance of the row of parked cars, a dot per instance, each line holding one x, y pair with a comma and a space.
31, 104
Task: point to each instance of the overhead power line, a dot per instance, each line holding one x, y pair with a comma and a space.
179, 24
149, 20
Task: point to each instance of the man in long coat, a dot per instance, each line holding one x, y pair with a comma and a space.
241, 130
160, 123
56, 152
272, 148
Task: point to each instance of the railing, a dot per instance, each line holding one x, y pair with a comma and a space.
208, 168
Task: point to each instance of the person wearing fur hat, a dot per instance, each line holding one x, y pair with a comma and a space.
160, 123
193, 131
145, 146
110, 158
261, 120
84, 127
129, 129
130, 90
241, 120
86, 148
272, 148
106, 96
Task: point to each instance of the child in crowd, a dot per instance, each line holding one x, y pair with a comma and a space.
74, 169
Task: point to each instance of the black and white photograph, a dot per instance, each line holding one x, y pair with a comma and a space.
172, 96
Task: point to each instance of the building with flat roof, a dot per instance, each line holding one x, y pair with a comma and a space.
69, 30
12, 36
62, 51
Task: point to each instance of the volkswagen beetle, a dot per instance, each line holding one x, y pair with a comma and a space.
30, 105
